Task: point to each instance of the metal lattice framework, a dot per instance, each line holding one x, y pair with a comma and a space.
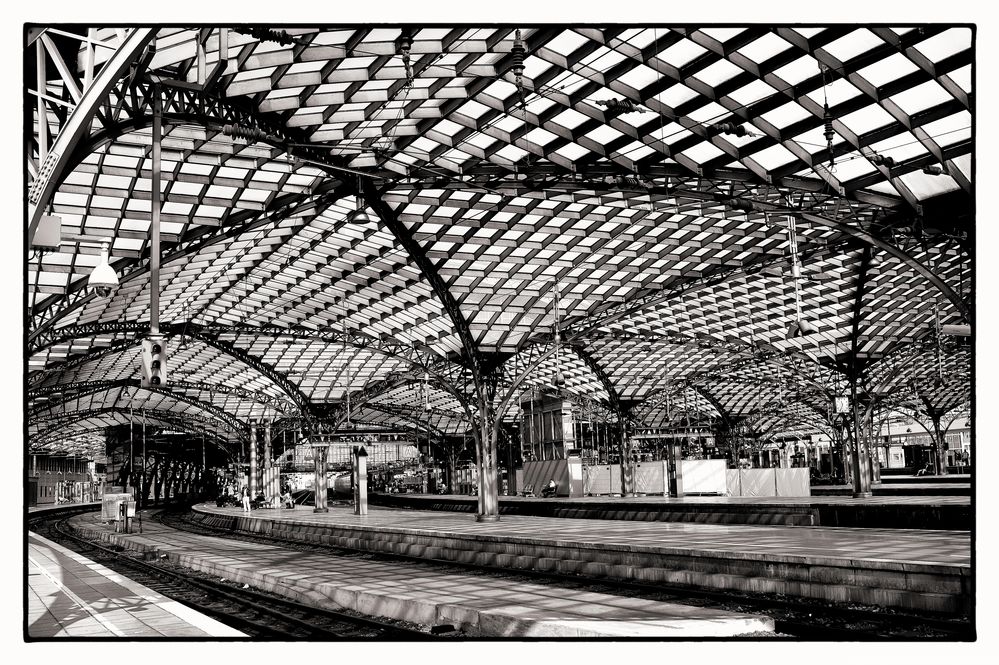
648, 174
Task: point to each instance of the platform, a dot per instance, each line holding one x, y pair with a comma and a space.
883, 512
71, 596
919, 570
416, 592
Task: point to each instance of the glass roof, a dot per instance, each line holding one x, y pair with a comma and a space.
645, 174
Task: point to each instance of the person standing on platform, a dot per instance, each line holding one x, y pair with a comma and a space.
246, 499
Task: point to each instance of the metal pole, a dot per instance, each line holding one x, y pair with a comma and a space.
154, 229
142, 478
861, 479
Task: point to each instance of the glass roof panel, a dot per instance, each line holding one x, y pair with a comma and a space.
925, 186
950, 129
798, 70
921, 97
764, 48
853, 44
945, 44
717, 73
682, 52
891, 68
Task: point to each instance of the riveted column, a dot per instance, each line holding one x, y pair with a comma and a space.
319, 458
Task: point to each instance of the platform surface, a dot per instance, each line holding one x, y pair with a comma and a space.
424, 594
71, 596
818, 544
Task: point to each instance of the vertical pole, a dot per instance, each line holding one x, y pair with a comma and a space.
88, 65
320, 468
43, 118
861, 477
269, 489
938, 444
361, 491
252, 480
142, 478
154, 229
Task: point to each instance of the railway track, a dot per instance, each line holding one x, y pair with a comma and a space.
259, 614
793, 617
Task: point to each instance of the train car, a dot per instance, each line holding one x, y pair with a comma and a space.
342, 487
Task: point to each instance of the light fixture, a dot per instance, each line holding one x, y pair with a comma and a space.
359, 215
103, 280
800, 328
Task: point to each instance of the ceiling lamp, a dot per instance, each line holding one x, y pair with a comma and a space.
103, 279
359, 215
800, 328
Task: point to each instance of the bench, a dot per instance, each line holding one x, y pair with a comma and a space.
527, 491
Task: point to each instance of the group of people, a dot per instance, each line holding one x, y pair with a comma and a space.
284, 500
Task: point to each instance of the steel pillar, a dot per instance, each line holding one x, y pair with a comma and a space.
252, 481
361, 481
859, 452
319, 457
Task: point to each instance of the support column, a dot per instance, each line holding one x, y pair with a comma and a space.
860, 458
272, 484
511, 471
485, 444
319, 459
361, 485
674, 467
252, 480
940, 463
627, 463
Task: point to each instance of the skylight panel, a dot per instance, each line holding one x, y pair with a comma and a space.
798, 70
764, 48
922, 97
836, 92
675, 95
853, 44
752, 93
950, 129
785, 115
570, 118
719, 72
639, 77
708, 113
890, 69
946, 44
566, 42
867, 119
682, 52
962, 77
702, 152
604, 134
722, 35
926, 186
774, 157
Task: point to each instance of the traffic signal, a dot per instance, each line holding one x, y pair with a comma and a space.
154, 362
